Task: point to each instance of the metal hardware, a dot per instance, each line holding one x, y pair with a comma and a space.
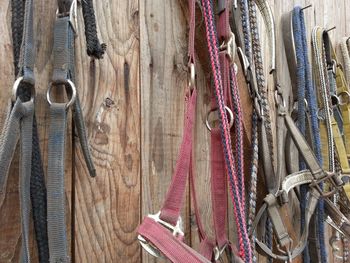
230, 46
15, 90
344, 98
218, 252
332, 28
306, 7
176, 230
229, 113
73, 94
192, 77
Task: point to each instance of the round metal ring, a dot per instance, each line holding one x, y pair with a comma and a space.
73, 90
335, 100
229, 113
344, 98
15, 90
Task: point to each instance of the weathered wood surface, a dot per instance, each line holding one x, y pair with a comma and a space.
133, 106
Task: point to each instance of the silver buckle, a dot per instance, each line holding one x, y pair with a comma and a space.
218, 252
176, 230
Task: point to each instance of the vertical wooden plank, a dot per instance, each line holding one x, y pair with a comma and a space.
107, 208
163, 80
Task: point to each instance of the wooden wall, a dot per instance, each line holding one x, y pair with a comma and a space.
133, 106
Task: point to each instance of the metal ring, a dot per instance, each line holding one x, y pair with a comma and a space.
229, 112
72, 87
15, 89
345, 101
335, 100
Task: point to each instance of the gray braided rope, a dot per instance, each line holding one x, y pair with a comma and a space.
259, 71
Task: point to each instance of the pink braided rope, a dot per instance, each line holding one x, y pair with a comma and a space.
214, 57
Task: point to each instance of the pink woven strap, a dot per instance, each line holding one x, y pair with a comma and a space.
224, 30
206, 248
218, 188
171, 247
171, 209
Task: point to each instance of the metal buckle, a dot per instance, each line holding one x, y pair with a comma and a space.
335, 226
176, 230
218, 252
279, 98
230, 47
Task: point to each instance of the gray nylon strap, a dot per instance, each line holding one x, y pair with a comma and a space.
18, 125
8, 141
55, 185
64, 60
63, 34
25, 173
27, 57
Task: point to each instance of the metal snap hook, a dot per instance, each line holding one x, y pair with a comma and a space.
230, 114
67, 83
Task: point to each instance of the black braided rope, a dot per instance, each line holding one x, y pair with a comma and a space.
38, 197
17, 20
37, 181
93, 46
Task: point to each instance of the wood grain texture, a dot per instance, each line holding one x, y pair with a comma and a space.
163, 80
107, 208
133, 103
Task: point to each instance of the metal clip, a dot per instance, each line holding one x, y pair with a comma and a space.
230, 47
176, 230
